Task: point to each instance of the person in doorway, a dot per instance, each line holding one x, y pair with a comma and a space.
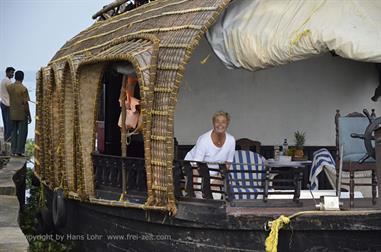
19, 114
4, 102
214, 146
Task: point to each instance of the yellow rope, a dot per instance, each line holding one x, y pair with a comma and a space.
159, 188
121, 198
158, 138
299, 35
158, 163
159, 112
293, 41
163, 89
205, 59
272, 240
58, 149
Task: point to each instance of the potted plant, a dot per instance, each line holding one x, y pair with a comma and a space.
300, 139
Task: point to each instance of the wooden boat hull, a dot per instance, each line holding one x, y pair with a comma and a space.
92, 227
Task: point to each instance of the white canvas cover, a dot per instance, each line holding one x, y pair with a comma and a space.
256, 34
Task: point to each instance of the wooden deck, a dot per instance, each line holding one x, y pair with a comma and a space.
11, 236
363, 206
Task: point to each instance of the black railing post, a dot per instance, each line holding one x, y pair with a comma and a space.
104, 176
189, 181
205, 184
266, 186
298, 176
225, 174
177, 179
131, 174
119, 179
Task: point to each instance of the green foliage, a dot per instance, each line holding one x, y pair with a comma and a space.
300, 138
291, 151
29, 221
29, 148
27, 217
47, 246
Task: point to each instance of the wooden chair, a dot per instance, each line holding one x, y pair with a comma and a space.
249, 178
353, 151
246, 179
248, 144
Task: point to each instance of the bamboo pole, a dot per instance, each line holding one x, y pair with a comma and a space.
109, 7
378, 161
123, 137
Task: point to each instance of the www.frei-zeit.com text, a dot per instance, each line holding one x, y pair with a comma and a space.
97, 237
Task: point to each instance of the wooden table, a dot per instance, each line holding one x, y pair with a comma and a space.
297, 169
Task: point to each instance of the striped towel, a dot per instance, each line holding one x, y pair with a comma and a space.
322, 158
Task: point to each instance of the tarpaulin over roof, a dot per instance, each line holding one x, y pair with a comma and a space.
255, 34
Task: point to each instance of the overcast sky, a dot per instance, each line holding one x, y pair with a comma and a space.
31, 31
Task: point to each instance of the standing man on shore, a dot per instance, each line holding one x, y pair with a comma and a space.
19, 113
4, 103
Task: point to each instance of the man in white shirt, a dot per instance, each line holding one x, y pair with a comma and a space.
4, 102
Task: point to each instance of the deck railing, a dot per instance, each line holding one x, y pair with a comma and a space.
194, 181
198, 180
109, 176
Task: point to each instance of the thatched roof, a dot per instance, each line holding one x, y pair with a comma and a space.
158, 39
173, 22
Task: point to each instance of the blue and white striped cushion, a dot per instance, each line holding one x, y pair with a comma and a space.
244, 181
246, 192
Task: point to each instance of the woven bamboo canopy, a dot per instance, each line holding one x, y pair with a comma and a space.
158, 39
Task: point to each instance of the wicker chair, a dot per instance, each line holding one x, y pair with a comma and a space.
353, 150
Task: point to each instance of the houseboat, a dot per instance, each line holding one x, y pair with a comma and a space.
115, 187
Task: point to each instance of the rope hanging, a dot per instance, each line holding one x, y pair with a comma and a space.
272, 240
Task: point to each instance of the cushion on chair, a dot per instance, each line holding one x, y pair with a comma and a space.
353, 148
241, 181
356, 157
245, 192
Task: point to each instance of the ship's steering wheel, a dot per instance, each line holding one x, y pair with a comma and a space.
368, 136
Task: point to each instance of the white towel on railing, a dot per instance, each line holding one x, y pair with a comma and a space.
322, 158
